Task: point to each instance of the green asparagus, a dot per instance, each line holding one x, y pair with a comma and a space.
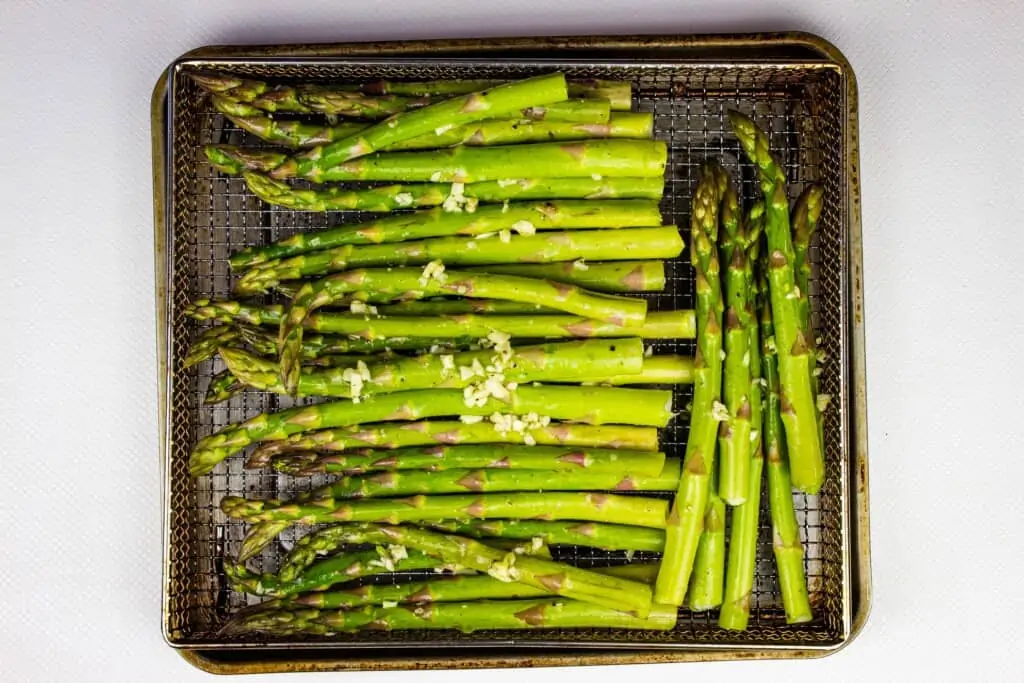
687, 516
429, 433
499, 456
554, 577
587, 534
620, 276
633, 243
786, 545
587, 507
797, 401
414, 196
488, 104
591, 405
543, 362
464, 164
465, 616
440, 223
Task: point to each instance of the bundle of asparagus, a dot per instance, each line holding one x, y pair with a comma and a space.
477, 414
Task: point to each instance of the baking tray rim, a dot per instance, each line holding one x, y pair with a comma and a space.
646, 49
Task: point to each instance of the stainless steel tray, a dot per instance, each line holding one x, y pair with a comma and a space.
796, 85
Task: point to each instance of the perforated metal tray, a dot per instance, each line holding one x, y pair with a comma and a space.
797, 86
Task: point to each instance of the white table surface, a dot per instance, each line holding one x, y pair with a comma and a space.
941, 149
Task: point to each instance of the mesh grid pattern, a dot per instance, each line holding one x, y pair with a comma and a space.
214, 216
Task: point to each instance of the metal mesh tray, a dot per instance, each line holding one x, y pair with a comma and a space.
202, 217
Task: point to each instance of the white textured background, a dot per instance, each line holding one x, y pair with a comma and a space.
942, 142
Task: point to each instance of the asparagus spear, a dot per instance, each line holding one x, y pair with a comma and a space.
400, 282
656, 370
488, 104
392, 197
206, 345
300, 135
330, 572
805, 221
786, 546
437, 222
686, 519
222, 386
542, 362
554, 577
460, 306
799, 411
435, 590
383, 332
440, 223
429, 433
465, 616
499, 456
284, 132
663, 242
516, 131
255, 93
587, 507
411, 482
739, 580
317, 346
734, 433
587, 534
592, 405
616, 276
462, 164
618, 93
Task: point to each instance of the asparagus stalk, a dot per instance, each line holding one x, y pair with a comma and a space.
319, 346
616, 276
414, 196
708, 575
411, 482
460, 306
554, 577
437, 222
436, 590
543, 362
587, 507
798, 407
440, 223
618, 93
222, 386
494, 103
687, 516
330, 572
400, 282
662, 242
517, 131
498, 456
734, 433
805, 221
380, 333
430, 433
206, 345
255, 93
283, 132
587, 534
462, 164
739, 578
464, 616
656, 370
591, 405
786, 546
